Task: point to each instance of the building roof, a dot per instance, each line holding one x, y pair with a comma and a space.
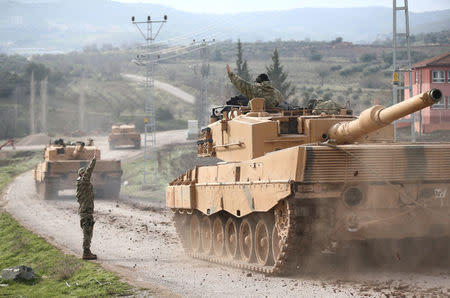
441, 60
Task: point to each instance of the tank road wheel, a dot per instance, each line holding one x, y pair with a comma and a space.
276, 243
231, 238
218, 237
263, 251
247, 240
206, 229
280, 229
195, 233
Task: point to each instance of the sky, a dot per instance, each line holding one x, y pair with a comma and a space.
236, 6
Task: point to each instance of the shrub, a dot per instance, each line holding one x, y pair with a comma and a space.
327, 96
372, 82
336, 67
368, 57
66, 267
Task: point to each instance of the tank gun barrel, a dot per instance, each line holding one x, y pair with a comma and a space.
377, 117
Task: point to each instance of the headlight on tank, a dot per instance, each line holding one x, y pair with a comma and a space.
353, 196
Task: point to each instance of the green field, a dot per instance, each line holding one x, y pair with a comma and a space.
58, 275
13, 163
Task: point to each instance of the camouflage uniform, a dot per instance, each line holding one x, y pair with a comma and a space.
85, 197
264, 90
329, 107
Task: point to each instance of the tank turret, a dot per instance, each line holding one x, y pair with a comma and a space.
377, 117
243, 134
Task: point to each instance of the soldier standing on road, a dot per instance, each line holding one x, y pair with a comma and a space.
262, 88
85, 197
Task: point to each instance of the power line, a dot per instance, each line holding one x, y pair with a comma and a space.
150, 104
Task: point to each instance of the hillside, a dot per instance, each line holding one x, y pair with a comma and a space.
71, 25
351, 74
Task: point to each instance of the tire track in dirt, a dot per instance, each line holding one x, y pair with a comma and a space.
138, 241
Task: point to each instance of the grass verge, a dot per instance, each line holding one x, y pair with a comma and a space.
13, 163
57, 274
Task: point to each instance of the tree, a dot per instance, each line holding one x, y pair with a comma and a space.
323, 72
368, 57
241, 65
218, 55
315, 55
40, 71
278, 76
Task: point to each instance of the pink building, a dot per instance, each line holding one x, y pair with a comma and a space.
426, 75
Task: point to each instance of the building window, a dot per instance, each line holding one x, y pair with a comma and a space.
438, 76
448, 77
440, 104
417, 76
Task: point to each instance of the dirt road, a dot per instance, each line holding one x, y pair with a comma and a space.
138, 240
184, 96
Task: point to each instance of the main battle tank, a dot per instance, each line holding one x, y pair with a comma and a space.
59, 170
301, 181
124, 135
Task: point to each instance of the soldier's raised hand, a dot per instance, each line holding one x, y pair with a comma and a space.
228, 68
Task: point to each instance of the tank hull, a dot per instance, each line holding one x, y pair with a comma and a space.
310, 198
124, 139
53, 176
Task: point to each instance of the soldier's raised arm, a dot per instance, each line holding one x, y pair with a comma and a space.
247, 89
90, 169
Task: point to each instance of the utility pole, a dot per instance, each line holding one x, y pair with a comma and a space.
44, 84
146, 59
203, 107
32, 100
401, 65
81, 108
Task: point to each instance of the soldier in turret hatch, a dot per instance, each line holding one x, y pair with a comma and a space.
262, 88
85, 197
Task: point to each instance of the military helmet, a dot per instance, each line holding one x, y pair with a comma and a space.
81, 171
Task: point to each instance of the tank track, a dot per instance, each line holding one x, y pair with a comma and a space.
296, 239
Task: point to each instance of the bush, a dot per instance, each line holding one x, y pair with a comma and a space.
336, 67
351, 70
65, 267
372, 82
327, 96
368, 57
372, 69
315, 57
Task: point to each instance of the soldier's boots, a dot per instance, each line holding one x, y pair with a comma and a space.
88, 255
